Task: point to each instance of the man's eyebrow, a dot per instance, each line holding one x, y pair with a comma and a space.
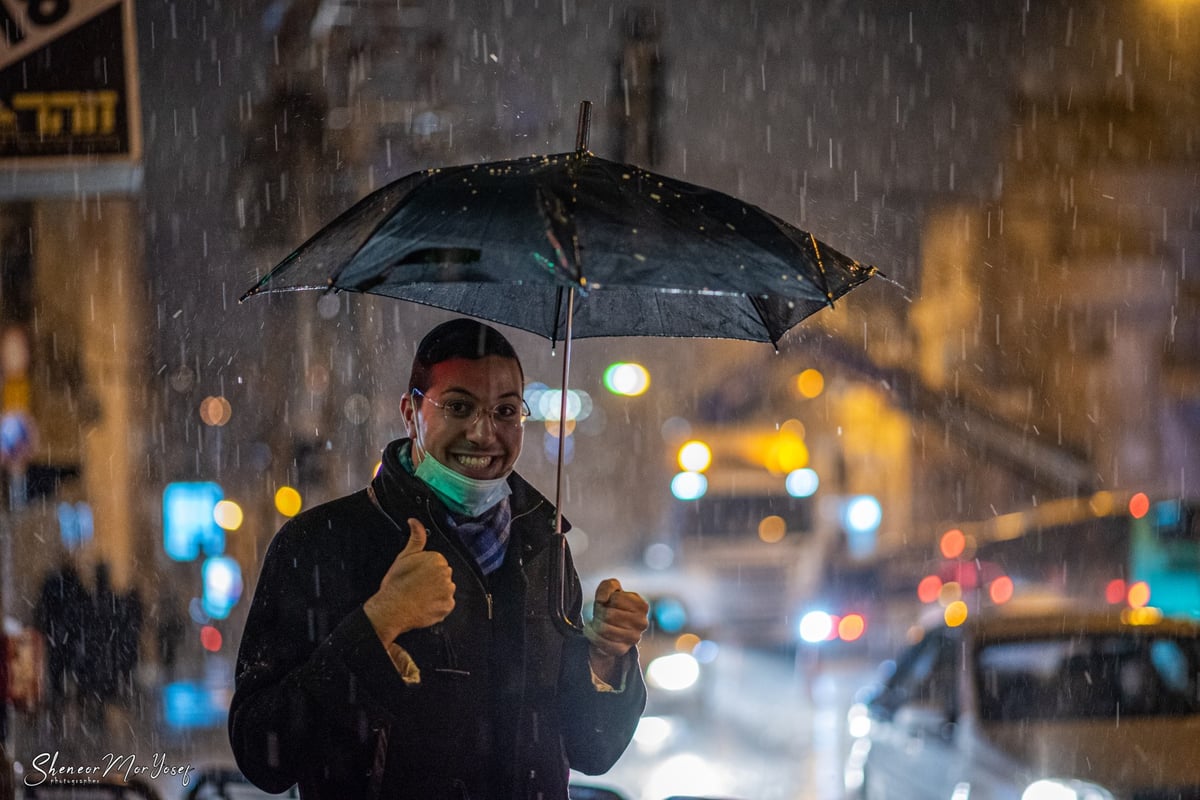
469, 393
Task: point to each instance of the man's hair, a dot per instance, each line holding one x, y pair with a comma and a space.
458, 338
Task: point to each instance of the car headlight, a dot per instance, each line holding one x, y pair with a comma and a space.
674, 673
1064, 789
816, 626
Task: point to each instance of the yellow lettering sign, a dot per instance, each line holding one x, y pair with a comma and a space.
86, 113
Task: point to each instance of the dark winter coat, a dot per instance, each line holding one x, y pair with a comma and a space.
504, 707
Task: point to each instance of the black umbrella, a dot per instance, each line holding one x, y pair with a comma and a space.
571, 246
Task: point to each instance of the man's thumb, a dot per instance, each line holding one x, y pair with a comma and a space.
416, 538
607, 588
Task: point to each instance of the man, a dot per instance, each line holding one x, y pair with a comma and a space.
400, 643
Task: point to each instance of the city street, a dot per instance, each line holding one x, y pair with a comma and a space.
771, 730
767, 730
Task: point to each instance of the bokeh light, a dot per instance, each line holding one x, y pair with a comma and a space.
1001, 590
689, 486
695, 456
287, 501
215, 411
951, 592
1139, 595
816, 626
1114, 592
627, 379
956, 613
929, 589
802, 482
810, 383
1139, 505
210, 638
863, 514
851, 627
772, 529
952, 543
786, 453
228, 515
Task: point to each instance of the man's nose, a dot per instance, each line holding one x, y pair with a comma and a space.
482, 428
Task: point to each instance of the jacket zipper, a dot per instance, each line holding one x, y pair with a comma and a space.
486, 594
429, 513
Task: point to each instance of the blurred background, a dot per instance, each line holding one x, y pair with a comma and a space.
1025, 175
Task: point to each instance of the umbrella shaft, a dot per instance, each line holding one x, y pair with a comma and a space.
562, 412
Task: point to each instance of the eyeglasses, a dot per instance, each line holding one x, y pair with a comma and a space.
504, 416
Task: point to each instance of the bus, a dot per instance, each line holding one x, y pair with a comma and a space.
759, 552
1110, 549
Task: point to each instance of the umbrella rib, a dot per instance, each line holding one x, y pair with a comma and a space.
406, 199
756, 304
812, 241
558, 293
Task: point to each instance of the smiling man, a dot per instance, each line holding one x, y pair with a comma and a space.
401, 644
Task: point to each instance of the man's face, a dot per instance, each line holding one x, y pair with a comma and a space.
479, 448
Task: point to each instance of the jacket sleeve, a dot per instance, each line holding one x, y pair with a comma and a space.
304, 693
598, 726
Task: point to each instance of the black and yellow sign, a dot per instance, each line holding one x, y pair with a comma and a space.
68, 86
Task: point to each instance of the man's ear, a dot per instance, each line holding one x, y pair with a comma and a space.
408, 413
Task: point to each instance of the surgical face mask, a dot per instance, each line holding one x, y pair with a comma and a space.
465, 496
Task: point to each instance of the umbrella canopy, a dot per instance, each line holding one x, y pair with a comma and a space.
647, 255
575, 246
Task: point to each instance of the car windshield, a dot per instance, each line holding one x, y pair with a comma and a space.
1088, 677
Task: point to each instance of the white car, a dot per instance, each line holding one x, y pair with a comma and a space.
1061, 706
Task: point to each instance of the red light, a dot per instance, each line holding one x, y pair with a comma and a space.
1001, 590
210, 638
953, 543
929, 588
1114, 592
1139, 505
851, 627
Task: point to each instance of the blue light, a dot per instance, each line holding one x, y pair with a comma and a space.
670, 615
188, 524
862, 514
192, 705
222, 579
802, 482
74, 524
689, 486
816, 626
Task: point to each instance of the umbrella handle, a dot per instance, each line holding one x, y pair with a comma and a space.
558, 603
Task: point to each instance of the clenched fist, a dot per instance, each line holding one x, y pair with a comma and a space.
619, 619
416, 592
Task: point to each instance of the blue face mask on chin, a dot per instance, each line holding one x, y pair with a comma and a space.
465, 496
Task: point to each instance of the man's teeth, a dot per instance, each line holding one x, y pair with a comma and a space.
474, 461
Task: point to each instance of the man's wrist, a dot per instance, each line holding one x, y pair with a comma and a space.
607, 667
376, 618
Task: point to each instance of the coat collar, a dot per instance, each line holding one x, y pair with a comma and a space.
398, 490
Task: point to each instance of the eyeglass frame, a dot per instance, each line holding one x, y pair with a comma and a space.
497, 424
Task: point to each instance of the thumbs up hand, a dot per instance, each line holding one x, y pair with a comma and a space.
416, 592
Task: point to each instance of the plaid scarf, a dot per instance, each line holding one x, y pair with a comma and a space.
485, 536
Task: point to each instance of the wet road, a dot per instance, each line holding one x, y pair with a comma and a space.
771, 727
768, 727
